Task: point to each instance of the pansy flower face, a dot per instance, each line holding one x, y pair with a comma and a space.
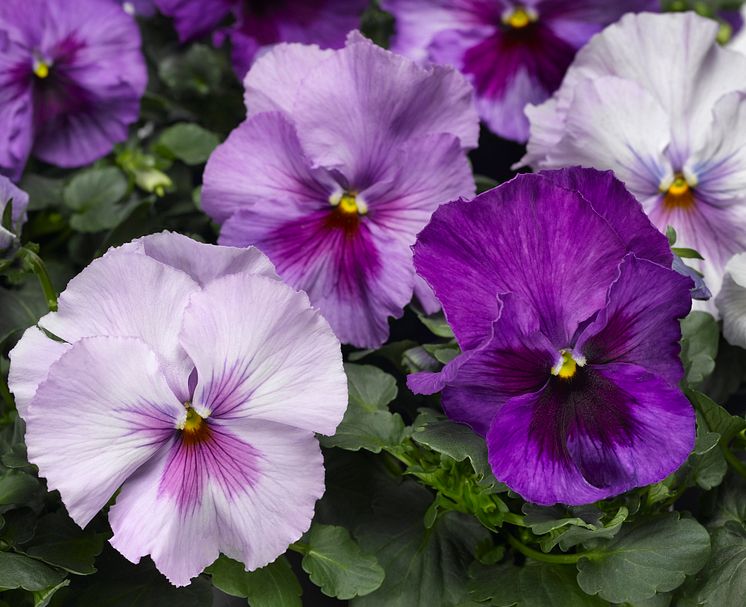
260, 24
344, 156
670, 124
18, 201
192, 381
513, 52
562, 298
71, 79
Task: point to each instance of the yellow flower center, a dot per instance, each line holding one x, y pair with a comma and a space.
519, 17
348, 203
41, 69
567, 365
679, 194
195, 428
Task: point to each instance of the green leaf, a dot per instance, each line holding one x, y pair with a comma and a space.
367, 423
43, 192
119, 583
484, 183
715, 417
653, 556
731, 502
436, 324
18, 489
43, 597
93, 196
534, 585
198, 71
725, 574
337, 565
187, 142
21, 308
457, 441
272, 586
686, 253
424, 567
18, 571
60, 542
699, 345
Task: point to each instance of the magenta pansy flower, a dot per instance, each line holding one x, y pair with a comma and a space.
189, 383
561, 295
259, 24
71, 79
670, 124
343, 158
18, 199
514, 53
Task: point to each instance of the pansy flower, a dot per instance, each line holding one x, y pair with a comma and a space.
670, 124
561, 295
13, 218
188, 381
71, 79
514, 52
259, 24
343, 158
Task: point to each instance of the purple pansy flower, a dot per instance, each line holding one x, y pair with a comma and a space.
343, 158
10, 194
194, 380
262, 23
71, 79
514, 53
561, 295
671, 124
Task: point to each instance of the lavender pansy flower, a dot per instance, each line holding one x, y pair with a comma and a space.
672, 126
561, 295
71, 79
514, 53
343, 158
18, 200
191, 380
259, 24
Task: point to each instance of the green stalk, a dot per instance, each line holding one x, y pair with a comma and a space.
35, 263
557, 559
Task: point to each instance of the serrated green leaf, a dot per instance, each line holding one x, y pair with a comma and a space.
272, 586
731, 502
715, 417
572, 536
19, 571
93, 196
367, 423
725, 574
187, 142
495, 585
423, 567
653, 556
699, 345
457, 441
337, 565
60, 542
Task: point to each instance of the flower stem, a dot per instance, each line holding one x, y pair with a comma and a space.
557, 559
35, 263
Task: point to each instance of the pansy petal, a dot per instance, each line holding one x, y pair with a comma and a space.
516, 359
129, 295
731, 301
622, 330
30, 360
418, 21
262, 162
103, 411
249, 491
275, 78
387, 99
202, 262
193, 19
593, 437
514, 239
611, 199
635, 133
262, 352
